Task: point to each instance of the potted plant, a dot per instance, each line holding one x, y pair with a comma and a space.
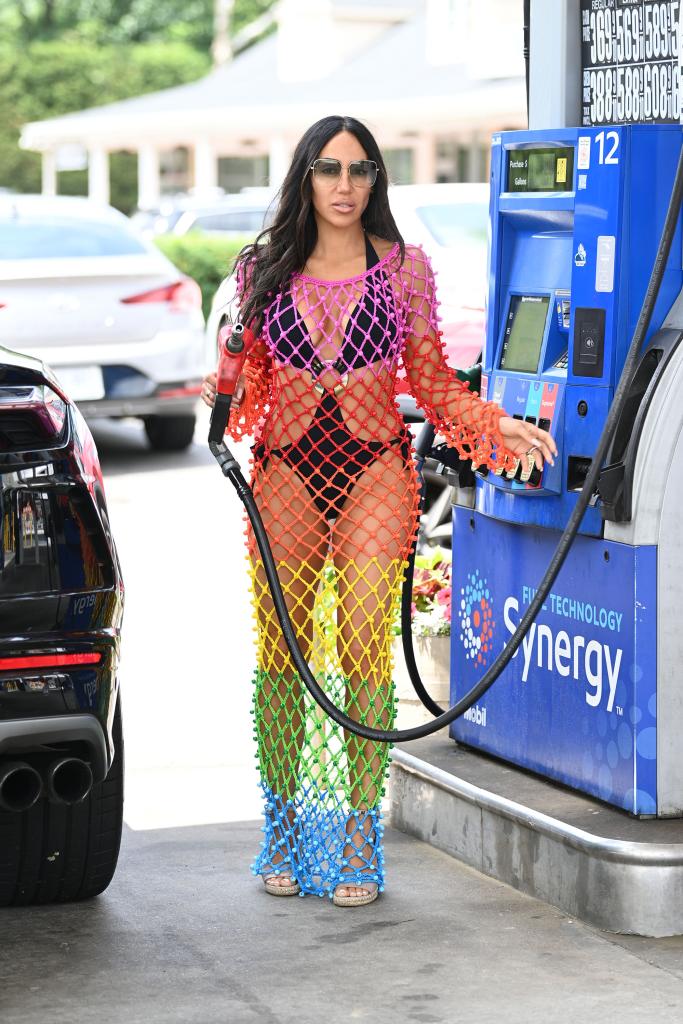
431, 623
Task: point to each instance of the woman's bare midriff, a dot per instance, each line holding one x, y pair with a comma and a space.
366, 400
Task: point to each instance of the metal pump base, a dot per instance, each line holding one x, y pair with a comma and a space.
599, 864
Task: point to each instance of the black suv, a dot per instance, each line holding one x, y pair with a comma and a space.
61, 605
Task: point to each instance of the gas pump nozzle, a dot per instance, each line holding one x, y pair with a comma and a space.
234, 342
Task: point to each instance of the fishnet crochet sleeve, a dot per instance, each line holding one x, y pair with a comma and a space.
466, 422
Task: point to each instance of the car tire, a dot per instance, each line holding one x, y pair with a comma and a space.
55, 853
170, 433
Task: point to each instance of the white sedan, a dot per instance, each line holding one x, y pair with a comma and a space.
122, 328
451, 223
237, 215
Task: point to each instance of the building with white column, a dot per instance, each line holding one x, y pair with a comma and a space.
433, 79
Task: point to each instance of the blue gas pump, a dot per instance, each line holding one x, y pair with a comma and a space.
576, 216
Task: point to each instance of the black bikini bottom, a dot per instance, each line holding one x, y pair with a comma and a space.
329, 459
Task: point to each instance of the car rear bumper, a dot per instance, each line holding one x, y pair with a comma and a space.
157, 404
69, 705
161, 377
167, 355
21, 736
158, 376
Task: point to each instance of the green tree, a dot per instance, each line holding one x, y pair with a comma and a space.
122, 21
58, 56
47, 79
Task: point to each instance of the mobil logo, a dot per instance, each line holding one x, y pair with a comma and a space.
475, 616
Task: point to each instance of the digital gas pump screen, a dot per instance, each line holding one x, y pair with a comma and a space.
524, 333
541, 170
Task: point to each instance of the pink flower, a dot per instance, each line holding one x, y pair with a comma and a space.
425, 583
432, 596
443, 598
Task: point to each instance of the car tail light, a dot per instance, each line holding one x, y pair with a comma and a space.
49, 661
31, 416
181, 296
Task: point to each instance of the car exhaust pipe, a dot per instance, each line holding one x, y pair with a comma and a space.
69, 780
20, 786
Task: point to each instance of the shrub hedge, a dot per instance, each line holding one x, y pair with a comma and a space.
205, 259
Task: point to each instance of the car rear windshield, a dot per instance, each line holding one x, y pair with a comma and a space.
237, 221
456, 223
49, 237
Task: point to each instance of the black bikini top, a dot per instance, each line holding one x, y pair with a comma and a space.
370, 333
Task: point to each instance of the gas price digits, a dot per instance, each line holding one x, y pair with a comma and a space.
630, 61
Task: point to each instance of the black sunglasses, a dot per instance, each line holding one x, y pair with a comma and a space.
362, 173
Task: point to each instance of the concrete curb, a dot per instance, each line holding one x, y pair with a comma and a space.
618, 885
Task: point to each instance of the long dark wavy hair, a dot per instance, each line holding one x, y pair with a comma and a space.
284, 248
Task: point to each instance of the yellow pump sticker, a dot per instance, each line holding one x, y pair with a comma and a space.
561, 171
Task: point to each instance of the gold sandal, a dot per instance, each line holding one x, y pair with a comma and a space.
371, 894
276, 870
281, 890
356, 877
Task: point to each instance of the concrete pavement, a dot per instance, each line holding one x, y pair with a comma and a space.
185, 935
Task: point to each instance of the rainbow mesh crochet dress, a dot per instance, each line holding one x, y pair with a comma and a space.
335, 482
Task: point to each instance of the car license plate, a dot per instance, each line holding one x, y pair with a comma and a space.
81, 383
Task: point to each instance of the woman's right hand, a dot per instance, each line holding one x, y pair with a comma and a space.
208, 394
209, 389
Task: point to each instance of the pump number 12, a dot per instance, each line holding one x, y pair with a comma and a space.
608, 144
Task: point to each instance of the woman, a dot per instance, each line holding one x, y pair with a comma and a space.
337, 301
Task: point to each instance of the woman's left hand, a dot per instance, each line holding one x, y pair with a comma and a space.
524, 438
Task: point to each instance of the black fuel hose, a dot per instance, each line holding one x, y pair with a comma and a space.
231, 469
423, 445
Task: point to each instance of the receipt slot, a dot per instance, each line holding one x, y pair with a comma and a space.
576, 216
